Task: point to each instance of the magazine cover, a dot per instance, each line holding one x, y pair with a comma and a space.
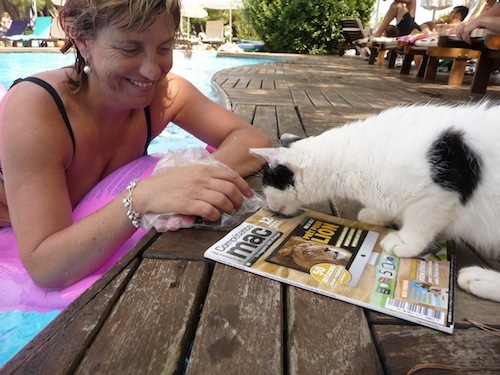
342, 259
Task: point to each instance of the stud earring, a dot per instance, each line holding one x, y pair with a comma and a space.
87, 69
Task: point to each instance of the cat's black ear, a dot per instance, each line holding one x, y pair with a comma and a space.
287, 139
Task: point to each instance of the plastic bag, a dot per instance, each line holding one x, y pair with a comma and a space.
171, 221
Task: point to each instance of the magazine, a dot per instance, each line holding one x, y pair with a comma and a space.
342, 259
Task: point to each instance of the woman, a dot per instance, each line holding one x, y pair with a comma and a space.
120, 88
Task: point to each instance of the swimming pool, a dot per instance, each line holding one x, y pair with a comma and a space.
16, 327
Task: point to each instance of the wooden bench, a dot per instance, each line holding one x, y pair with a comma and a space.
352, 29
488, 50
378, 51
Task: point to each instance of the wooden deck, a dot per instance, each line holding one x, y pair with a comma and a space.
165, 309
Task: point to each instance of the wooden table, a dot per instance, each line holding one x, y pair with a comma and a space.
165, 309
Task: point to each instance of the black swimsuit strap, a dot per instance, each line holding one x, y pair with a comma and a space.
58, 101
60, 105
148, 123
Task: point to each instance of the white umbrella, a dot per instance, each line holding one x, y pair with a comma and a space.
193, 12
192, 9
224, 4
436, 5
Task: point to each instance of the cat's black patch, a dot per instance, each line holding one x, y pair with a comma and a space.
454, 165
279, 177
287, 139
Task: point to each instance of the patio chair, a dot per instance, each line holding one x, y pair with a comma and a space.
41, 31
57, 34
352, 29
214, 33
448, 47
17, 27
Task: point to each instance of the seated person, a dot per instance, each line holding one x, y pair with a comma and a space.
456, 16
404, 13
489, 20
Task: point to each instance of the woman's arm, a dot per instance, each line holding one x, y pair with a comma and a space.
36, 151
217, 126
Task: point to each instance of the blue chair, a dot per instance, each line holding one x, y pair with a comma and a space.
41, 31
17, 27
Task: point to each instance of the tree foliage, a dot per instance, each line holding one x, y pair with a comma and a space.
20, 9
304, 26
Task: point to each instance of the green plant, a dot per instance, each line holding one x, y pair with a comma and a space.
304, 26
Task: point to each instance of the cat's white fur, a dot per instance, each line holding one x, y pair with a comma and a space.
382, 162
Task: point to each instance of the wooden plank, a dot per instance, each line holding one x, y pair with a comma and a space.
245, 111
452, 53
242, 83
268, 84
240, 329
185, 244
289, 122
229, 83
259, 97
326, 335
316, 122
317, 98
405, 347
59, 347
255, 83
335, 99
300, 98
353, 99
267, 121
152, 325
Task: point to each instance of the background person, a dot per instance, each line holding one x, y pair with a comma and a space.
403, 11
5, 23
119, 89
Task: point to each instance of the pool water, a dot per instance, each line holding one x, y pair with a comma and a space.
16, 327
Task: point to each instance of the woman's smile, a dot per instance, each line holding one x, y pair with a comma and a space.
143, 85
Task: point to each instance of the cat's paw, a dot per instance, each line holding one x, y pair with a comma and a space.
481, 282
371, 216
394, 244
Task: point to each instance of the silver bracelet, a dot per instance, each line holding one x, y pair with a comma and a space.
134, 216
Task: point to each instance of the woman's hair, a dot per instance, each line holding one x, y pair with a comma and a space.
83, 19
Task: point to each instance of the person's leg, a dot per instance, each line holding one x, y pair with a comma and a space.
411, 7
418, 61
396, 11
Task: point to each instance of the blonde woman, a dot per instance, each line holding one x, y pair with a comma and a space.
119, 94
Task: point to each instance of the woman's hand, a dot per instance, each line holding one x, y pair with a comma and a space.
463, 31
197, 190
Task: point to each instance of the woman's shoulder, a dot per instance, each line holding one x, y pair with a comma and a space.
37, 85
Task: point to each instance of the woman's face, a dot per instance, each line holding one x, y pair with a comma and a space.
127, 66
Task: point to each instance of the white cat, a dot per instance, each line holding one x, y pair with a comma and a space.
432, 169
